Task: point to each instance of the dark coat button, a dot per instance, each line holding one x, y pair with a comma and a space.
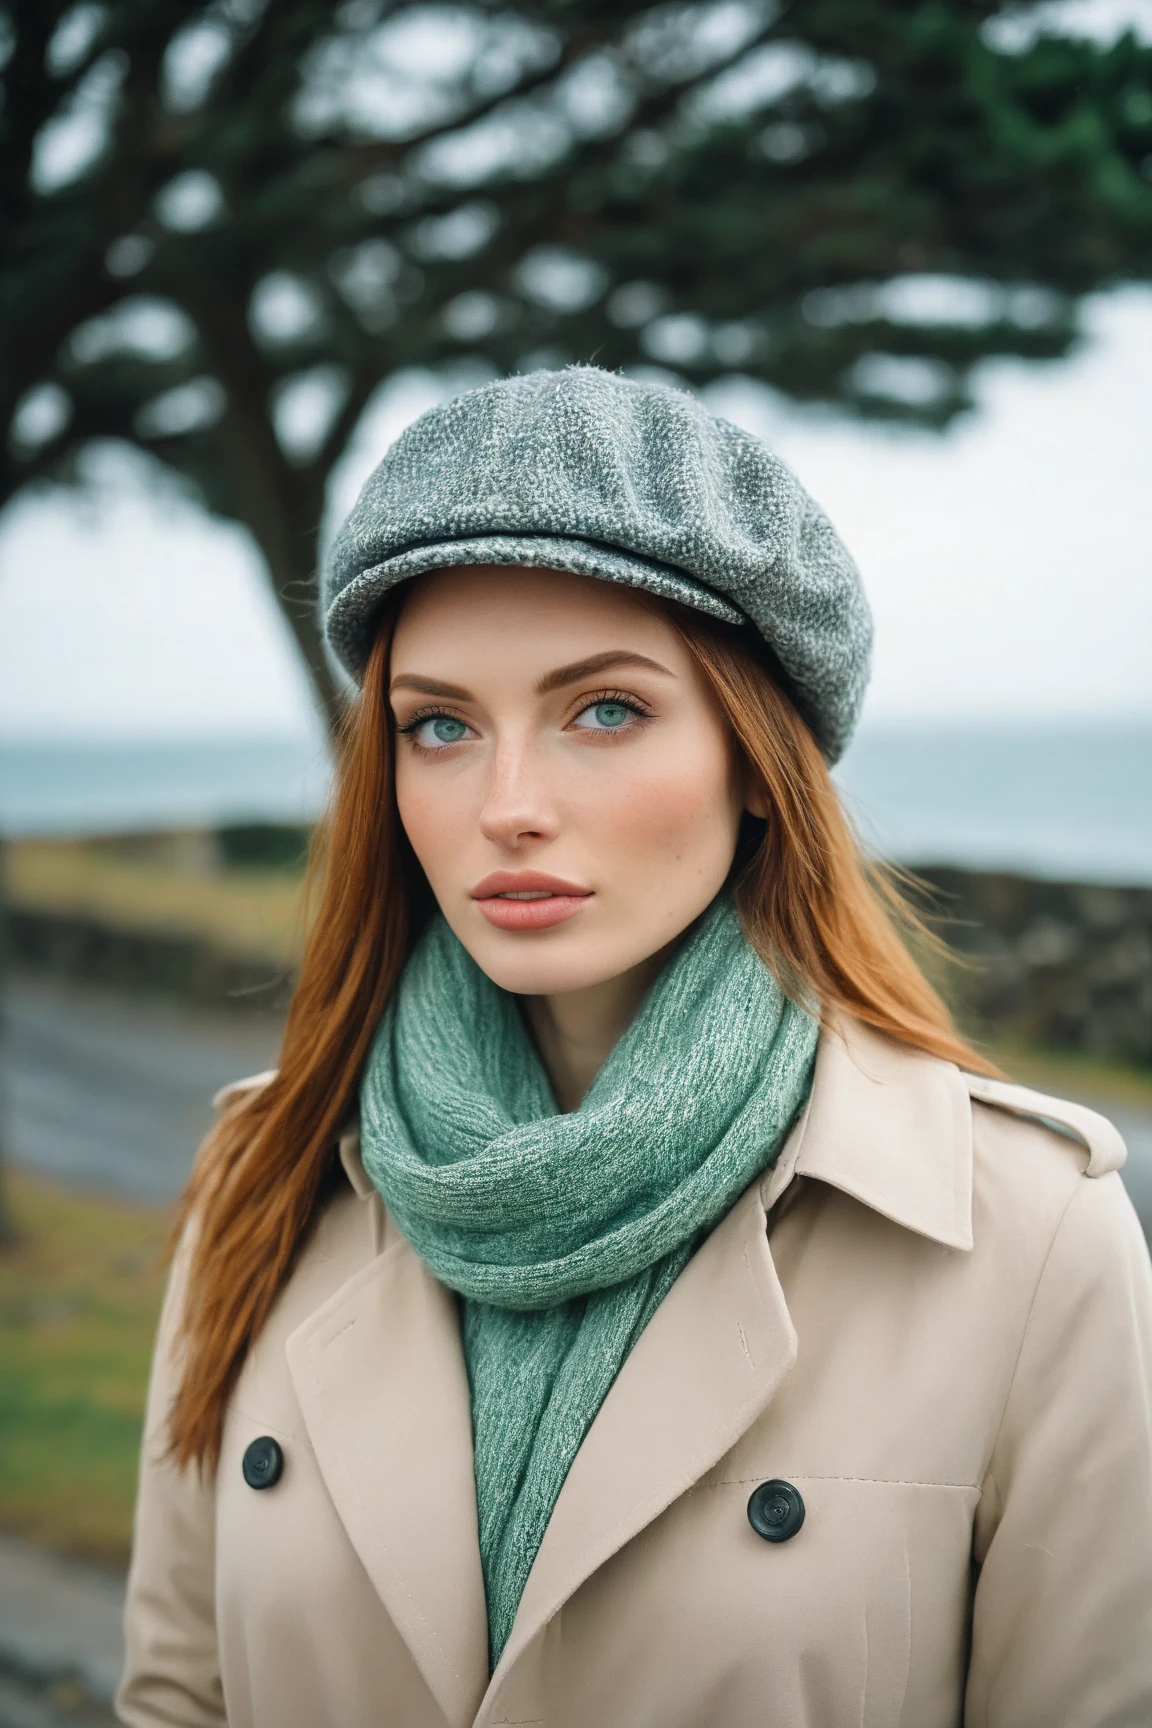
775, 1511
263, 1463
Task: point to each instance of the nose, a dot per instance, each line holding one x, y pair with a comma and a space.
517, 807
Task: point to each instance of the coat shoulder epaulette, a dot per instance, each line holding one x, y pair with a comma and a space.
1106, 1148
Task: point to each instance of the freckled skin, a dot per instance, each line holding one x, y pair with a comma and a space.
643, 814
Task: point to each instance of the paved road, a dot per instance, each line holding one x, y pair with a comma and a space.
60, 1642
114, 1093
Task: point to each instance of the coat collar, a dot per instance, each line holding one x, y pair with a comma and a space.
890, 1126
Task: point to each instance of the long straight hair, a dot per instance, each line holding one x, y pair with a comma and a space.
829, 923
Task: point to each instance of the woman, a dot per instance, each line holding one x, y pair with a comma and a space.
631, 1302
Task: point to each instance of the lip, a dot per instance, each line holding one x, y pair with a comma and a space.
564, 899
524, 882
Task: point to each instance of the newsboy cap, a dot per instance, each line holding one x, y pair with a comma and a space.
635, 483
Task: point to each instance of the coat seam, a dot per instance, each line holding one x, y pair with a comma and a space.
1025, 1329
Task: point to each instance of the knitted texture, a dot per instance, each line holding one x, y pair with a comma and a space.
563, 1233
586, 471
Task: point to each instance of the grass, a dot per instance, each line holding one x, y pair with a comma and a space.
79, 1298
1092, 1080
256, 913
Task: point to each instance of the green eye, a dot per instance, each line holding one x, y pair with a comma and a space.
611, 714
445, 730
607, 716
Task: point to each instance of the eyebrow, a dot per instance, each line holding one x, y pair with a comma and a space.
578, 669
555, 680
430, 687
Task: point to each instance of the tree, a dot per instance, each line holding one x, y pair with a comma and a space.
223, 225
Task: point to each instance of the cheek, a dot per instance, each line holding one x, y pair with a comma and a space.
432, 822
682, 806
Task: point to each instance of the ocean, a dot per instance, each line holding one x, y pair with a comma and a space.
1070, 803
1062, 802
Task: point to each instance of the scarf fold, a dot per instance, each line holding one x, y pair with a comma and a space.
564, 1233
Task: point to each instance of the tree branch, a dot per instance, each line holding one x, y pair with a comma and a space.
343, 426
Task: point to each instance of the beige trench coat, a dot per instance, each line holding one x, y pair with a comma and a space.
933, 1317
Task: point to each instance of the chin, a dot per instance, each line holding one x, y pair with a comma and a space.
531, 964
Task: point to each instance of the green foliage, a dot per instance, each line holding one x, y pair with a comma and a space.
851, 201
79, 1298
264, 846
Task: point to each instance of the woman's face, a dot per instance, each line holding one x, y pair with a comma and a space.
563, 773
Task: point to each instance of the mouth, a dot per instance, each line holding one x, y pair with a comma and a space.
528, 900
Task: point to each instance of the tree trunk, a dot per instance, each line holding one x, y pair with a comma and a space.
295, 596
279, 503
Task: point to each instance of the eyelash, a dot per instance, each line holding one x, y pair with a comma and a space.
414, 722
620, 697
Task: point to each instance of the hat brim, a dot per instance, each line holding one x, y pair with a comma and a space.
351, 620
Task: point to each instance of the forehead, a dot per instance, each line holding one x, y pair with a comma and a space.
478, 612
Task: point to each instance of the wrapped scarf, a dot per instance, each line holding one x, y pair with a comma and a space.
564, 1233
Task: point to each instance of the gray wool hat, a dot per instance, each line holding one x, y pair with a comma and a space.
583, 470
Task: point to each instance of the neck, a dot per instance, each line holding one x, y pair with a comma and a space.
575, 1031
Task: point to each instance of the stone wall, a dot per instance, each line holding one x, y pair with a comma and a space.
141, 960
1062, 964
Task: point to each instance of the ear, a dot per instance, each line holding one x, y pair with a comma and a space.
755, 802
748, 787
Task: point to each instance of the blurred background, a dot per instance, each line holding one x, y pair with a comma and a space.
242, 244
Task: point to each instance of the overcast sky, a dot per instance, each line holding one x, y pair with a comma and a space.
1009, 563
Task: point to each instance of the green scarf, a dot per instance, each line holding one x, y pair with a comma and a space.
564, 1233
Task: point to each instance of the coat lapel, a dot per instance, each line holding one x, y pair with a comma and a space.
890, 1126
708, 1362
380, 1377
